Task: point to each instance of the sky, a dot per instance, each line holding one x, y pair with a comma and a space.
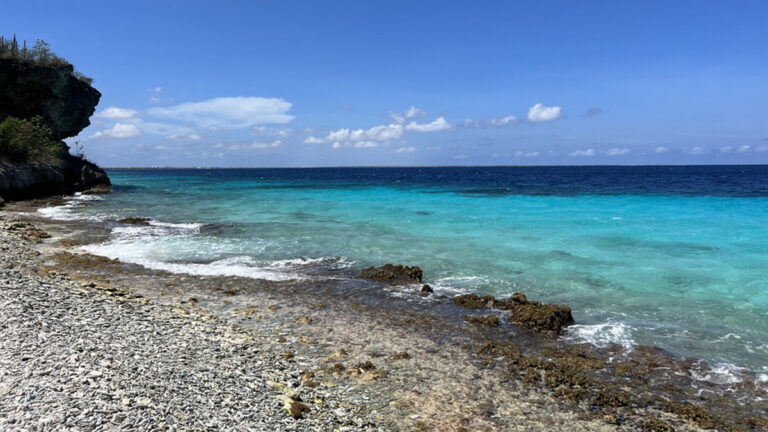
339, 83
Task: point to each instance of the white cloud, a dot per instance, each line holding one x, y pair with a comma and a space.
503, 121
182, 137
362, 137
438, 125
312, 140
228, 112
541, 113
409, 149
410, 113
521, 153
119, 130
256, 145
114, 112
726, 149
697, 151
587, 152
761, 149
336, 145
662, 149
617, 151
743, 149
365, 144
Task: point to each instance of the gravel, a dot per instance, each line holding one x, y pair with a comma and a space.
76, 356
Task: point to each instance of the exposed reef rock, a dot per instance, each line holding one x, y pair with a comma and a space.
65, 102
23, 180
532, 315
393, 274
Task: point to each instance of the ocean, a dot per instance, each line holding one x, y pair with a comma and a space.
669, 256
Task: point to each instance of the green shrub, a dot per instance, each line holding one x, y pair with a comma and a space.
40, 54
28, 140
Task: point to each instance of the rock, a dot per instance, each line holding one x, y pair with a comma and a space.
295, 408
426, 289
533, 315
24, 180
98, 190
474, 301
402, 355
135, 220
65, 102
541, 317
489, 321
2, 203
393, 274
93, 177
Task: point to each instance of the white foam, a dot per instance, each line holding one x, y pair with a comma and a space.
65, 211
601, 335
719, 373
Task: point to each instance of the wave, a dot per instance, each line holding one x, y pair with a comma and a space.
601, 335
65, 212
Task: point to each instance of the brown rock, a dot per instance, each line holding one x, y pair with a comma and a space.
541, 317
490, 320
393, 274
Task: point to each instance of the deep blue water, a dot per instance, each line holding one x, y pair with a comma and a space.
673, 256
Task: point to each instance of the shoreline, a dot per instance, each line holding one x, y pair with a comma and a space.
456, 374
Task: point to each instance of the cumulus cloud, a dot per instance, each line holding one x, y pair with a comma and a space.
410, 113
119, 130
587, 152
617, 151
439, 124
409, 149
228, 112
312, 140
697, 151
540, 113
662, 149
114, 112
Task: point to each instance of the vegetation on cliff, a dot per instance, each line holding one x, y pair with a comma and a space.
39, 54
42, 101
28, 140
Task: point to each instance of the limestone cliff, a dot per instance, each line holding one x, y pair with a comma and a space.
66, 104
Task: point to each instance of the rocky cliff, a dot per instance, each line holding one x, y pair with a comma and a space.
23, 180
66, 104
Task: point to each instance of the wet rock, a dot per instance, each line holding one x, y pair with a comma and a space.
98, 190
393, 274
426, 289
489, 321
135, 220
304, 320
533, 315
2, 202
474, 301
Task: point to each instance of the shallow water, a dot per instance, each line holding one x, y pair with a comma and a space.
665, 256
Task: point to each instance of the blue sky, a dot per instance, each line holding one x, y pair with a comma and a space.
284, 83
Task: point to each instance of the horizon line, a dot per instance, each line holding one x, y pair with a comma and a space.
428, 166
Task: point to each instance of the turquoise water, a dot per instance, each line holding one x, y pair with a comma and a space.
679, 263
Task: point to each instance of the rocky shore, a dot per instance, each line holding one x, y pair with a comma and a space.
92, 343
77, 356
